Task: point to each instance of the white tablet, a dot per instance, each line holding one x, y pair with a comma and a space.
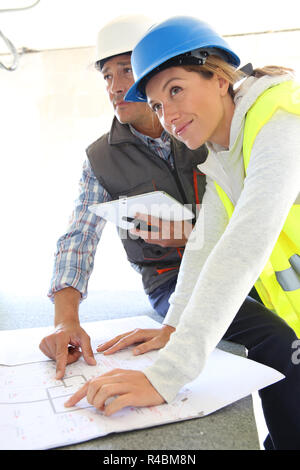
157, 204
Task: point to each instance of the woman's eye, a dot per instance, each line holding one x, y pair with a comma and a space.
174, 90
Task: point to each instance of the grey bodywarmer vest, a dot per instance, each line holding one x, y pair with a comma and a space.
125, 166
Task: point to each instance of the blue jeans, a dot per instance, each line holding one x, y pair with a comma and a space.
159, 298
268, 340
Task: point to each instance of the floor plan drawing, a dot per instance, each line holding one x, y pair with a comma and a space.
29, 409
33, 415
59, 393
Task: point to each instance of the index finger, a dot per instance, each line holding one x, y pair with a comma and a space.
108, 344
61, 360
143, 217
123, 341
79, 395
150, 220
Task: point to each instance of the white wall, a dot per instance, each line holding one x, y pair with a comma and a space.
52, 107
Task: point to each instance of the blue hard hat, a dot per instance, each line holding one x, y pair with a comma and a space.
177, 41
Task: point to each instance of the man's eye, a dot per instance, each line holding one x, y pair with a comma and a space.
156, 107
128, 70
107, 76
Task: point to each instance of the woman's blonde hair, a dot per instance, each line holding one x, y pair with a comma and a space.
215, 64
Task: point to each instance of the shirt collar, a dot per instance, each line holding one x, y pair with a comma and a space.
162, 141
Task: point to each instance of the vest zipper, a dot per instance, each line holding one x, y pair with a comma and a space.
175, 175
177, 178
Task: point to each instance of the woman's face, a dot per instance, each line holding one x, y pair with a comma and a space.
190, 107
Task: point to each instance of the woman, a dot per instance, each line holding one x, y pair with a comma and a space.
250, 220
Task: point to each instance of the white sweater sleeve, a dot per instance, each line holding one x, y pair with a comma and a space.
234, 264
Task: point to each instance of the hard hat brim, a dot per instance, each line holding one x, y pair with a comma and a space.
133, 94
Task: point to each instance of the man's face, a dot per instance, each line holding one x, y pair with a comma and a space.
117, 73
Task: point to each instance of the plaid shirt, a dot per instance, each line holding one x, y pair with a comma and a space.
74, 258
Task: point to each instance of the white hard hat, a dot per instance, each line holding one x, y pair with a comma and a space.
120, 35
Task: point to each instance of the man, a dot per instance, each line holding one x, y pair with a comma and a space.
135, 157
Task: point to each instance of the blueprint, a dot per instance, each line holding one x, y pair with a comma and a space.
32, 409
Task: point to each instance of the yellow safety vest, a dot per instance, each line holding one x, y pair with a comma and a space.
279, 283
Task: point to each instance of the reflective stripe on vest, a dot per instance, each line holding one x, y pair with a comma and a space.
289, 278
279, 283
